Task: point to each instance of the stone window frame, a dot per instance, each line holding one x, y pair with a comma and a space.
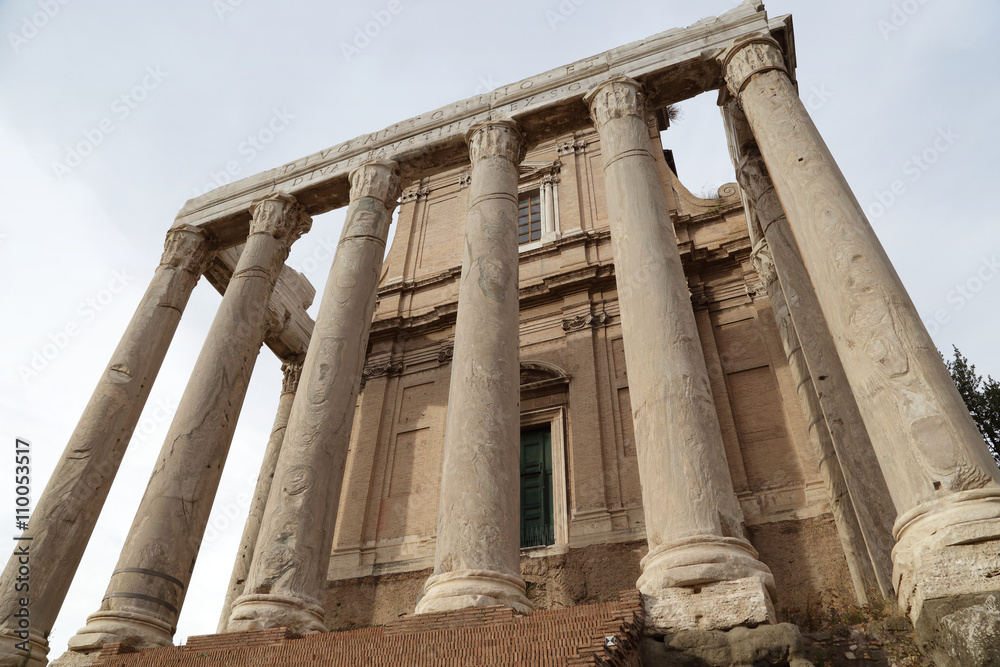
544, 177
530, 195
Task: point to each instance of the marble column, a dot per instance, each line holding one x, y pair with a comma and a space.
477, 557
700, 572
237, 581
67, 510
852, 446
288, 574
942, 479
852, 540
148, 586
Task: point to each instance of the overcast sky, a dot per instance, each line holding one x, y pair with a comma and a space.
113, 114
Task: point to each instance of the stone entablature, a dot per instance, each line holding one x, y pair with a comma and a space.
544, 105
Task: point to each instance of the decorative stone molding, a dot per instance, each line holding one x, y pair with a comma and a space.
378, 370
498, 138
446, 353
292, 372
465, 180
749, 57
378, 179
281, 216
187, 247
593, 320
617, 97
538, 172
569, 147
415, 193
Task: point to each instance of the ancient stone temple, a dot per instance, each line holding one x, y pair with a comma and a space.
566, 378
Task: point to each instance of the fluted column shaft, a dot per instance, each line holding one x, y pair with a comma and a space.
288, 574
692, 516
68, 509
148, 586
943, 482
477, 558
238, 579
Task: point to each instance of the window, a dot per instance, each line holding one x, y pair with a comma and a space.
529, 217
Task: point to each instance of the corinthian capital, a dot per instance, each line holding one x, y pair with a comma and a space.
617, 97
292, 372
749, 57
187, 247
281, 216
497, 138
378, 179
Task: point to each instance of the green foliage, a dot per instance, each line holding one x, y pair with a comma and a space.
982, 397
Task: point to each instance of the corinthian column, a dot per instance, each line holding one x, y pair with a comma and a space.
148, 586
477, 557
290, 562
700, 572
68, 509
943, 482
238, 579
847, 458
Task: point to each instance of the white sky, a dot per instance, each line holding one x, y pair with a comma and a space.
880, 92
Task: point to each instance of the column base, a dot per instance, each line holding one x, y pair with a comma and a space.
472, 588
13, 656
262, 611
126, 627
946, 570
701, 559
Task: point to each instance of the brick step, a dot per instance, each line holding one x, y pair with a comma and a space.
599, 634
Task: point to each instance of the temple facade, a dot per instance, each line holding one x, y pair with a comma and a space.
565, 377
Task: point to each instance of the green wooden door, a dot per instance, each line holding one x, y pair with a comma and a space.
537, 528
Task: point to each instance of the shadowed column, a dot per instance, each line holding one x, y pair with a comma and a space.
942, 479
290, 562
67, 511
477, 556
241, 568
148, 586
700, 572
